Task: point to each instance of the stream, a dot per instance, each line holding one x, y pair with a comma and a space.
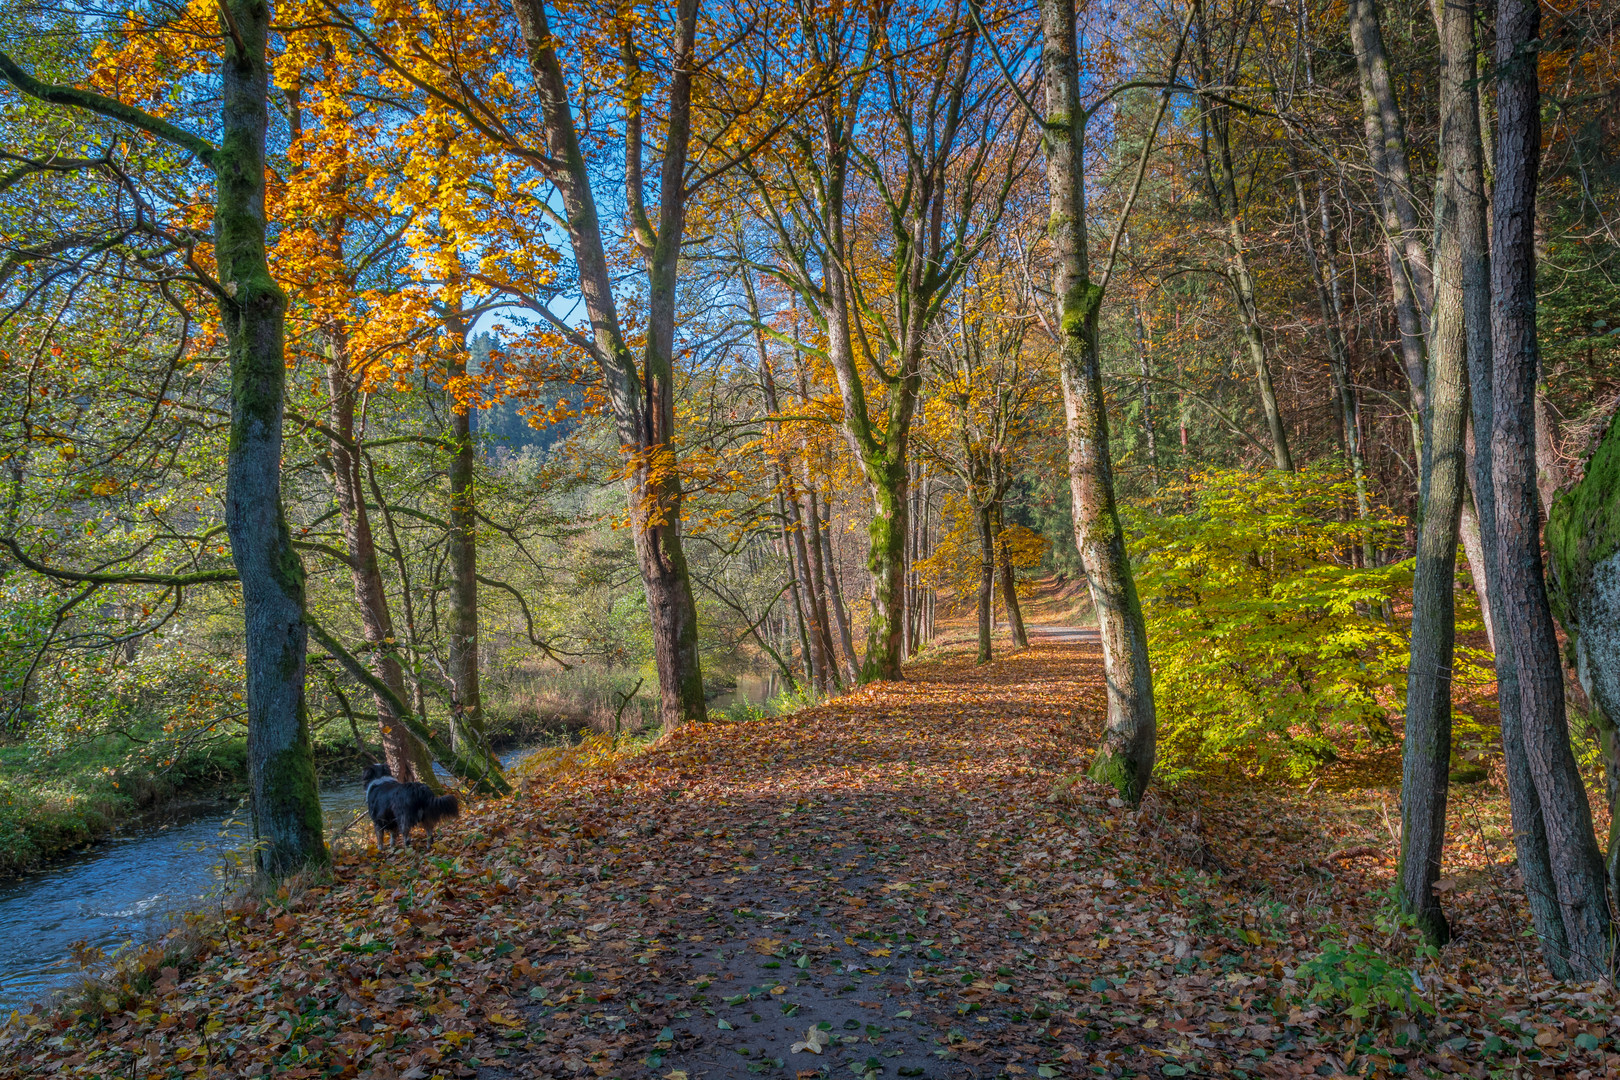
128, 888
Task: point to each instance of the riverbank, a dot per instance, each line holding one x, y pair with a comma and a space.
55, 803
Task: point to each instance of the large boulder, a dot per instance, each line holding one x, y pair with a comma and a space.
1583, 547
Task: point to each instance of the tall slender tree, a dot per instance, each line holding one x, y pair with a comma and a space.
1426, 748
1573, 857
1125, 758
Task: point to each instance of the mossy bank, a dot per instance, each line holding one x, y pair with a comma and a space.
54, 802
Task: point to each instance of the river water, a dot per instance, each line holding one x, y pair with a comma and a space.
128, 889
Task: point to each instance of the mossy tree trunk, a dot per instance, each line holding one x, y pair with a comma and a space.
889, 477
281, 761
1125, 758
1578, 875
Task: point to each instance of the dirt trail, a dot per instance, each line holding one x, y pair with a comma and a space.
904, 882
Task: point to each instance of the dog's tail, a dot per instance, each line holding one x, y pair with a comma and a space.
443, 806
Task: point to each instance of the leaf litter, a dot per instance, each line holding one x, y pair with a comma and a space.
908, 881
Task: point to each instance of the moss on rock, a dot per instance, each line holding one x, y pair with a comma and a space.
1583, 527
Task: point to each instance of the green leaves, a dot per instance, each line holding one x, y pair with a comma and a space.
1269, 646
1362, 979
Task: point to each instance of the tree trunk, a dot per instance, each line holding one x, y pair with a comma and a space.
835, 597
883, 465
1577, 864
642, 398
1009, 587
818, 637
407, 759
1125, 758
286, 805
983, 525
467, 702
1426, 750
1524, 801
820, 572
281, 762
1249, 319
814, 673
1387, 153
1223, 186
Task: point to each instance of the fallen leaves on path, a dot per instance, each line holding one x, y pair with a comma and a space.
907, 881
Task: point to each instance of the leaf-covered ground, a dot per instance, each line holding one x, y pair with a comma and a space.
905, 882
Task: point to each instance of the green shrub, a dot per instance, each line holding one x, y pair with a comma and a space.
1361, 979
1269, 646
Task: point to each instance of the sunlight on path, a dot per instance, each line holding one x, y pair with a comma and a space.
909, 881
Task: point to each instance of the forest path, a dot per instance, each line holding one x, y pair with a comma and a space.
909, 878
910, 870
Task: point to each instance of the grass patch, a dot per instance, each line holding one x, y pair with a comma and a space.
529, 703
53, 802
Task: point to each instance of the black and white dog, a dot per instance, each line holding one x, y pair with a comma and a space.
398, 808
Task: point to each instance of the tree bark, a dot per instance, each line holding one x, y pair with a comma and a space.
467, 701
281, 762
1524, 801
1576, 863
1125, 758
1426, 750
1009, 587
407, 758
642, 397
1387, 153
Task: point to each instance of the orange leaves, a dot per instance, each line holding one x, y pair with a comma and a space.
879, 873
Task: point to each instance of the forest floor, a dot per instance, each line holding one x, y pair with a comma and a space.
908, 881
